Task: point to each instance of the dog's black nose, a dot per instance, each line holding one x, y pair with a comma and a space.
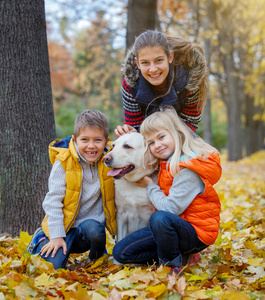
107, 158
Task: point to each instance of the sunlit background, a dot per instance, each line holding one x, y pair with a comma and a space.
87, 43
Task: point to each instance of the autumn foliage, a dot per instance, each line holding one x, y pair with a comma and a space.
233, 268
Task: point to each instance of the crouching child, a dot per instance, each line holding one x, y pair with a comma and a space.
80, 200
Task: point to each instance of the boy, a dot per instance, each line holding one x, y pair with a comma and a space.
80, 200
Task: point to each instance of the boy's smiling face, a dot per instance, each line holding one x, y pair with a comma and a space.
91, 142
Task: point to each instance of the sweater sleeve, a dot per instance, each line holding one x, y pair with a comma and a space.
133, 114
186, 186
53, 201
191, 110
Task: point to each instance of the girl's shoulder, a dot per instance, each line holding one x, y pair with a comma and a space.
128, 89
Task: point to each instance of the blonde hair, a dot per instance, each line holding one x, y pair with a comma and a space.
187, 143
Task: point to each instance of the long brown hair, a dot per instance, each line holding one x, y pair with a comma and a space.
191, 56
186, 53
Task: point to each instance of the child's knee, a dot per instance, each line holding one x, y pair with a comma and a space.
92, 228
156, 218
116, 253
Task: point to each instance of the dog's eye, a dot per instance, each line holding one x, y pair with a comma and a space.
126, 146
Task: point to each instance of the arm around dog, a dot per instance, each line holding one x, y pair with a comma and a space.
182, 192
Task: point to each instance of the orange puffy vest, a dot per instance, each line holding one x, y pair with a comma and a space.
204, 211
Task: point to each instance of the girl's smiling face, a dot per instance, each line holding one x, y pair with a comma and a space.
154, 64
161, 144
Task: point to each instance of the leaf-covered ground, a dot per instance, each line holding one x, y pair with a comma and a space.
233, 268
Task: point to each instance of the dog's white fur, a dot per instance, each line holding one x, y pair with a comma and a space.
133, 207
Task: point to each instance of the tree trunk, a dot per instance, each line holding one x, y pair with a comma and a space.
254, 128
209, 23
233, 110
141, 16
206, 117
26, 114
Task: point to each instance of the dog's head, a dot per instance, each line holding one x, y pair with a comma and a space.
130, 157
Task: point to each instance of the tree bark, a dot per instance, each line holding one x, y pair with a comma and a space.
141, 16
208, 24
254, 128
206, 117
26, 114
234, 110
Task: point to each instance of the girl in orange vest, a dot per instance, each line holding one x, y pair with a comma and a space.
188, 207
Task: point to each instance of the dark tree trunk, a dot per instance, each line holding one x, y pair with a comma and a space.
234, 110
254, 127
206, 121
26, 114
141, 16
234, 96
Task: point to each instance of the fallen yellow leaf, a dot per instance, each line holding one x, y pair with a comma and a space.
156, 291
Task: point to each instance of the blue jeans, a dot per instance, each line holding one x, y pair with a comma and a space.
166, 241
89, 235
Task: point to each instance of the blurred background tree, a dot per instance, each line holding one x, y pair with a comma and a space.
88, 40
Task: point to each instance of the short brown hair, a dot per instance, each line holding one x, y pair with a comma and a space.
91, 118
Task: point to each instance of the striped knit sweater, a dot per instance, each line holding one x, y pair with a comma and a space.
134, 113
137, 93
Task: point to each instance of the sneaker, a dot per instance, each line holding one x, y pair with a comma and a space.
194, 259
36, 238
191, 260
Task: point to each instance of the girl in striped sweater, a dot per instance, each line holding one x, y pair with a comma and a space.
160, 71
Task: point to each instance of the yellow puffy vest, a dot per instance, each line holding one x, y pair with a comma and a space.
69, 159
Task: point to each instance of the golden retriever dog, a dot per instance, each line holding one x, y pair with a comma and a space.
131, 160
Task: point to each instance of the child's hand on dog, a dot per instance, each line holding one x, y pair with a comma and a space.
120, 130
144, 182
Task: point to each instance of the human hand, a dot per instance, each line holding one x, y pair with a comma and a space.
144, 182
120, 130
53, 246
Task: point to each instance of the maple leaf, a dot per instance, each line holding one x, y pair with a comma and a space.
232, 268
156, 291
44, 280
25, 290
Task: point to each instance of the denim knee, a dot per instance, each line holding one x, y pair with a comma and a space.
156, 220
116, 253
92, 230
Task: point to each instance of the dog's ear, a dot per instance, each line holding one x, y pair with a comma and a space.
149, 160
